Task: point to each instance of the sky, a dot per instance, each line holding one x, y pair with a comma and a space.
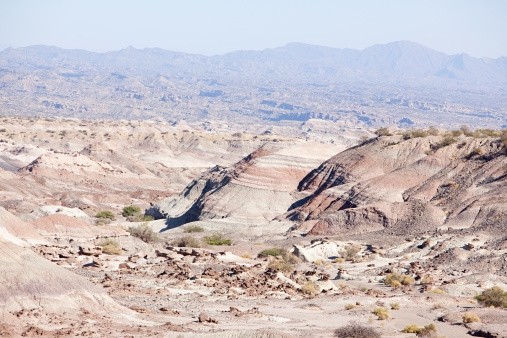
210, 27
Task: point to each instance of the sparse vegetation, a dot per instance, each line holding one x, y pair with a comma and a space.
130, 210
470, 317
338, 260
383, 132
415, 134
281, 265
381, 313
186, 242
143, 232
350, 306
110, 247
355, 330
350, 252
438, 291
494, 297
140, 218
105, 214
310, 289
217, 239
318, 262
395, 306
193, 228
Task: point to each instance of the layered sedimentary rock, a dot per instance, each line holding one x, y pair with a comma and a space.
257, 188
406, 185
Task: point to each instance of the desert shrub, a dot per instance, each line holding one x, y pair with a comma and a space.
318, 262
350, 252
110, 247
130, 210
356, 330
341, 260
494, 296
275, 252
407, 280
105, 214
446, 141
412, 328
393, 277
102, 221
381, 313
217, 239
428, 331
383, 132
415, 134
246, 256
433, 131
193, 228
350, 306
287, 256
186, 242
280, 265
310, 289
143, 232
470, 317
395, 306
438, 291
140, 218
395, 284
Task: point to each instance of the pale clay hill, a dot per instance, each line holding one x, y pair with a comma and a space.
413, 207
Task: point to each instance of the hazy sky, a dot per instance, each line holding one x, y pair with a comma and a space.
478, 27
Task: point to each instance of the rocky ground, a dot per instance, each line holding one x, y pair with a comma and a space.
341, 230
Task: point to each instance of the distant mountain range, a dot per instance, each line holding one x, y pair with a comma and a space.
402, 60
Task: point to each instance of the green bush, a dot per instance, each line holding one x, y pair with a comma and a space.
187, 242
143, 232
193, 228
355, 330
130, 211
105, 214
217, 239
494, 296
280, 252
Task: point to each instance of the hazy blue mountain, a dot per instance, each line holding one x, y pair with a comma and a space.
402, 60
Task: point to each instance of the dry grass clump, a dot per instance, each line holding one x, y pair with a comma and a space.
395, 306
280, 253
143, 232
396, 280
110, 247
350, 306
186, 242
350, 252
280, 265
438, 291
356, 330
246, 256
338, 260
470, 317
428, 331
318, 262
381, 313
310, 289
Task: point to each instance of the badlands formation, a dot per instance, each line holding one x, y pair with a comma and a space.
253, 235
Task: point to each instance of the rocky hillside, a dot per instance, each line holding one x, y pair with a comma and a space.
414, 185
255, 189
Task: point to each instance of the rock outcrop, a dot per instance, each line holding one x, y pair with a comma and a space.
406, 185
